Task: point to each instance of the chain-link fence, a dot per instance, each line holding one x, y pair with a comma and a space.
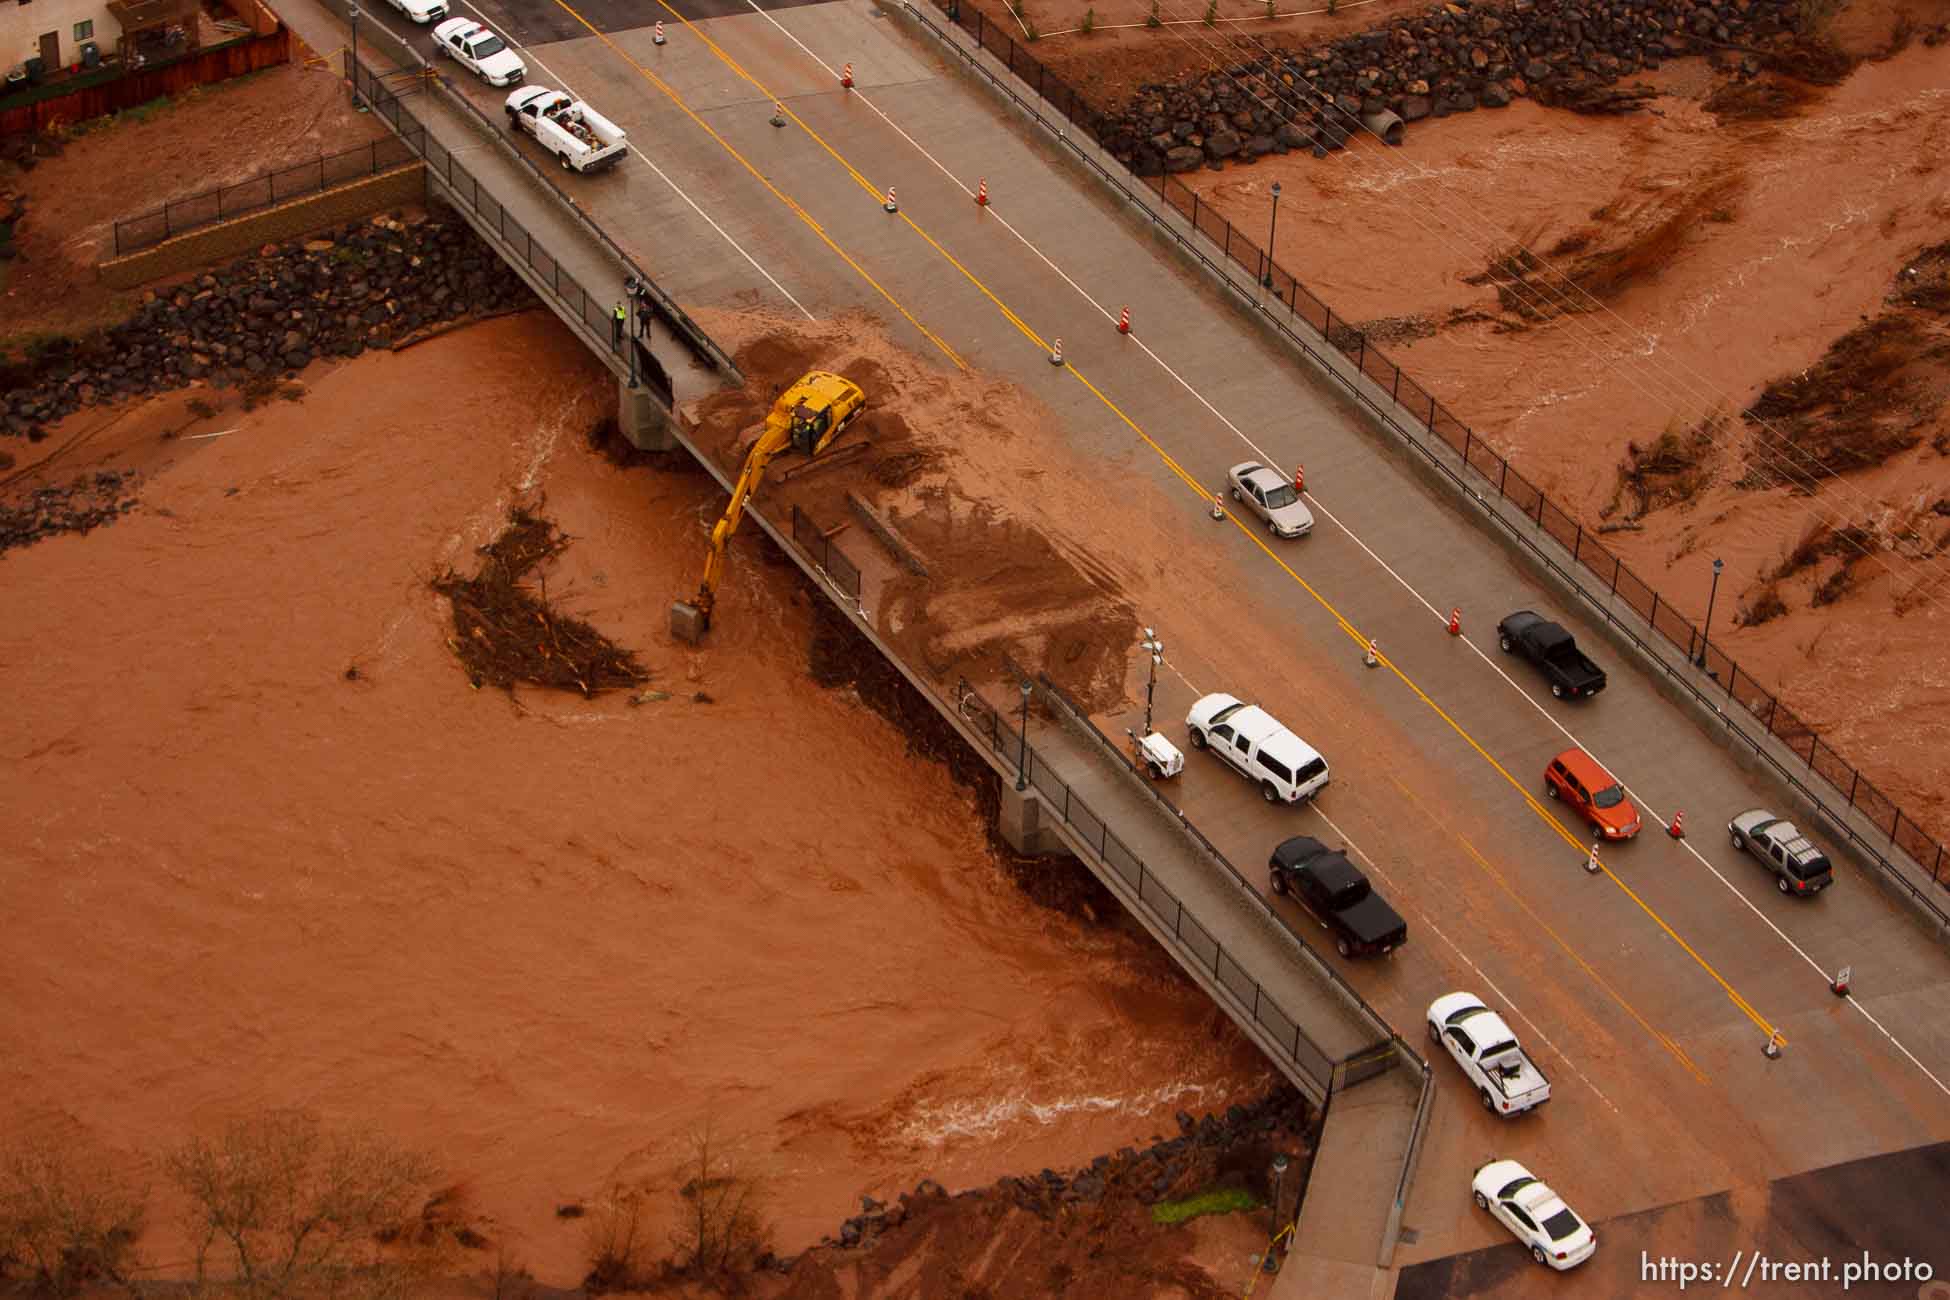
1598, 573
266, 189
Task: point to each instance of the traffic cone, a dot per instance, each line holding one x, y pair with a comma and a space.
1772, 1050
846, 76
890, 204
1371, 657
1218, 506
1455, 622
1839, 985
778, 114
1591, 860
1056, 352
982, 193
657, 37
1299, 478
1124, 321
1678, 828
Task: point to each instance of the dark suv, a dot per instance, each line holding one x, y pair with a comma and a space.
1800, 868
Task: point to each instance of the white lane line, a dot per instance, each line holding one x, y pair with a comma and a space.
1505, 998
662, 175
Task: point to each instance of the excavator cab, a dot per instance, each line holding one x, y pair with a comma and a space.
806, 417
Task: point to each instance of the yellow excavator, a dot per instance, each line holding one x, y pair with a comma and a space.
807, 417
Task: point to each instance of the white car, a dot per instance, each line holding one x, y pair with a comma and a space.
480, 51
1537, 1215
1270, 495
1286, 768
421, 11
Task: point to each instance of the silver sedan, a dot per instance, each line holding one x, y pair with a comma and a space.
1271, 496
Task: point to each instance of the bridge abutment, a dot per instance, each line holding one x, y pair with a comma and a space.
1023, 827
643, 418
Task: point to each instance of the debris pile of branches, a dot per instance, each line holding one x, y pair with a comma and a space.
505, 634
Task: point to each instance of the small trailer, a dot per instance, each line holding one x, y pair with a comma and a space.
581, 139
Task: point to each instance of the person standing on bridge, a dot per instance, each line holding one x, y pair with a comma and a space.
616, 327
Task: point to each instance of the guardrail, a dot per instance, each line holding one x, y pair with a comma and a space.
829, 558
1344, 344
261, 191
681, 326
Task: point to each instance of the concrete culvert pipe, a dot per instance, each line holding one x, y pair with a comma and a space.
1384, 124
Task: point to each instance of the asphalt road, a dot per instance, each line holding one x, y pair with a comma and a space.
1646, 991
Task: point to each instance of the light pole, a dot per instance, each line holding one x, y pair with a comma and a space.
1708, 626
1022, 746
1271, 1263
629, 296
1157, 649
358, 100
1272, 228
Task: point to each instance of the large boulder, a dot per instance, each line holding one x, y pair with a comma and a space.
1184, 158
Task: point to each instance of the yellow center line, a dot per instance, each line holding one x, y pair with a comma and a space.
1192, 482
762, 179
1517, 897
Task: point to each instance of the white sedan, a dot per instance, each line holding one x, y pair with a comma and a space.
1537, 1215
480, 51
421, 11
1270, 495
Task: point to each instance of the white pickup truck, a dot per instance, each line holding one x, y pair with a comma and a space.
1507, 1081
581, 139
1285, 767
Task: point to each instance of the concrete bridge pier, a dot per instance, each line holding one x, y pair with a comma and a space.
643, 417
1026, 826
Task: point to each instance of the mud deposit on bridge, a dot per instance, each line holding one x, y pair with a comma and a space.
539, 935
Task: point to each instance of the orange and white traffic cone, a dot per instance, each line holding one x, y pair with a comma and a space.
891, 205
1218, 506
982, 193
1455, 622
1372, 656
1124, 321
657, 37
1678, 828
1299, 478
846, 76
1056, 352
1591, 861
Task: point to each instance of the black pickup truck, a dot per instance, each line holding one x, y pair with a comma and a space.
1338, 895
1551, 648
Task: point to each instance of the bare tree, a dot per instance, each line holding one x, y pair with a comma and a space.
722, 1229
617, 1241
293, 1207
68, 1215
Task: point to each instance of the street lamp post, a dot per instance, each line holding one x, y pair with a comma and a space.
1022, 746
1271, 1262
1272, 229
629, 296
1707, 628
1157, 649
358, 101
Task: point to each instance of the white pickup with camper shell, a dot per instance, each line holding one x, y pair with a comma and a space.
581, 139
1286, 768
1506, 1080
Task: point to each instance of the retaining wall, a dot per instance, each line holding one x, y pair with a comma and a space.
399, 187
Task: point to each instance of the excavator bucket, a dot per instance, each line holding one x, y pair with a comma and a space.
688, 623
